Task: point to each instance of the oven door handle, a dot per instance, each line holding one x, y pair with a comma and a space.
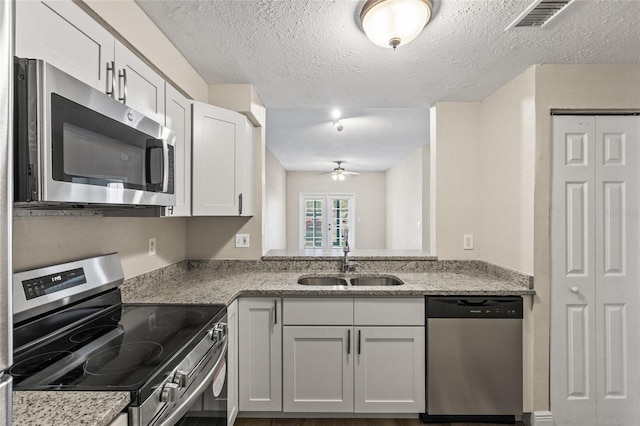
180, 410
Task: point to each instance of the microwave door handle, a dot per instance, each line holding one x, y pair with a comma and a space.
165, 166
154, 178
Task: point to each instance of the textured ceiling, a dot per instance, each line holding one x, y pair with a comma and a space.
309, 54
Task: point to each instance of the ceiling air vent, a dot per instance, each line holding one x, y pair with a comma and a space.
539, 13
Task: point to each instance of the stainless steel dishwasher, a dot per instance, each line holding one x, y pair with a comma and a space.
474, 359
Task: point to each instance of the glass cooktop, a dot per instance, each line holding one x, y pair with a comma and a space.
128, 347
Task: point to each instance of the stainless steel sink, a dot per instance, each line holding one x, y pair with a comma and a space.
322, 280
376, 281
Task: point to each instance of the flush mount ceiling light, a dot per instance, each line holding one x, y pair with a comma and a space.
392, 23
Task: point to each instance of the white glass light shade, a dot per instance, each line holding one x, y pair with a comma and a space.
341, 177
392, 23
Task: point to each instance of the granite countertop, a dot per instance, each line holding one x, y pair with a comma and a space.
206, 284
67, 408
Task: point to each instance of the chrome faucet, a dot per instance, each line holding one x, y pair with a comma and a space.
347, 266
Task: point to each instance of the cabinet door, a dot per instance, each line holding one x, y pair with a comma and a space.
232, 363
62, 34
178, 119
216, 135
389, 370
318, 369
260, 354
138, 85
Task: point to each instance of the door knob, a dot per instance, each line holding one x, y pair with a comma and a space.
575, 290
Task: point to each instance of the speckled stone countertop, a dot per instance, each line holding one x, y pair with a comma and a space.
67, 408
207, 286
208, 282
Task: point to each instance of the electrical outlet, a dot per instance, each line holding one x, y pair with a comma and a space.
242, 240
152, 246
467, 243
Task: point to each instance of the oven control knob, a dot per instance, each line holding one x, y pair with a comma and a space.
181, 379
169, 393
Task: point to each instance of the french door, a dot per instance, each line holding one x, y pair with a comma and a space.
324, 219
595, 271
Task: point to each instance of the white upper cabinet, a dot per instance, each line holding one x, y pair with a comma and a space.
62, 34
138, 85
178, 118
221, 155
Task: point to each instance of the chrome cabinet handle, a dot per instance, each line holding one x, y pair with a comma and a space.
575, 290
359, 341
122, 83
348, 341
111, 67
275, 312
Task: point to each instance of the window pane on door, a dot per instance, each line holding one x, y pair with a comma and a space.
313, 223
339, 218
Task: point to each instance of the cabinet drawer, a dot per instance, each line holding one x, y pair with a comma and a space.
389, 311
317, 311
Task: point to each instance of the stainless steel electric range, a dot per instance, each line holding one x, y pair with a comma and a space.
72, 333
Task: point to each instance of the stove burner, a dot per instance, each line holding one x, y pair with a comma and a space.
123, 358
31, 365
89, 334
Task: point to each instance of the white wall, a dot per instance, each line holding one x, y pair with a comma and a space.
41, 241
454, 173
404, 203
275, 198
507, 174
370, 204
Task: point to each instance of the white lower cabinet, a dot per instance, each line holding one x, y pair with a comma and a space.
389, 370
353, 360
260, 354
317, 369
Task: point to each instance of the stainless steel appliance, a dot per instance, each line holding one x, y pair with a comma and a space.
73, 333
474, 359
6, 120
75, 145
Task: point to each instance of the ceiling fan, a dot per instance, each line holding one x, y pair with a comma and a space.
339, 173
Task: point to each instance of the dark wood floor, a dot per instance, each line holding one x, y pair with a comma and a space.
349, 422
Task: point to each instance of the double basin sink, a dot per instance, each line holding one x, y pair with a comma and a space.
342, 280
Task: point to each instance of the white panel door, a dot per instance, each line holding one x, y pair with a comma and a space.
260, 354
617, 269
573, 381
138, 85
232, 363
62, 34
318, 369
595, 359
178, 119
389, 370
216, 134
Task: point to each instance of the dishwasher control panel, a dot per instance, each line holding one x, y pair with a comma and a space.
474, 307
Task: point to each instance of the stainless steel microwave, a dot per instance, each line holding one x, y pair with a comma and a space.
75, 145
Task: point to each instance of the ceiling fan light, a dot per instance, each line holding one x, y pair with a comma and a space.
391, 23
334, 176
341, 177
